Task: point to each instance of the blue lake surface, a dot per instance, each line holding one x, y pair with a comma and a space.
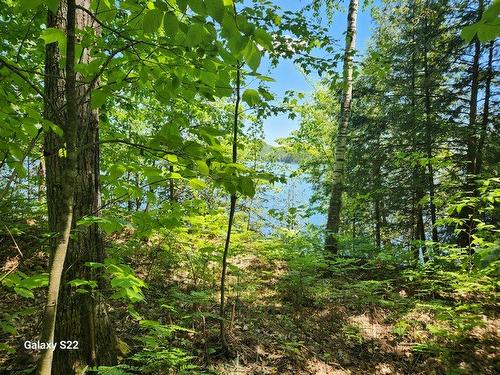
285, 204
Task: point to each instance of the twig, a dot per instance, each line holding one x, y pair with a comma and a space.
14, 240
14, 172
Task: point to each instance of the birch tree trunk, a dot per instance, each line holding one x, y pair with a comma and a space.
78, 317
334, 208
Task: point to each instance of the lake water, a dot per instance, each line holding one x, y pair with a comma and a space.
285, 204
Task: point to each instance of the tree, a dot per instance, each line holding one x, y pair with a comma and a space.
73, 191
335, 205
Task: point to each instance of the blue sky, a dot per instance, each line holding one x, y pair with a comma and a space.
288, 77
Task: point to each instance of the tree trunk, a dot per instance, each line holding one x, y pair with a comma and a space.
486, 110
333, 221
232, 210
80, 317
418, 211
67, 170
429, 143
467, 228
171, 186
378, 223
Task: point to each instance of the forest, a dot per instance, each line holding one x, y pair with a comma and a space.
249, 187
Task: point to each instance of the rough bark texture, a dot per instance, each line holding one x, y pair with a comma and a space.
334, 208
80, 317
66, 199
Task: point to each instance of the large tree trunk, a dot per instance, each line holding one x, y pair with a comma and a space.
80, 317
333, 221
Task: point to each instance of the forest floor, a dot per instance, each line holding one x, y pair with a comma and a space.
292, 315
362, 320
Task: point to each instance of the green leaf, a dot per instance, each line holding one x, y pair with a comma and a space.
53, 35
79, 282
492, 13
197, 184
23, 292
171, 24
152, 21
263, 38
29, 4
7, 328
172, 158
110, 225
133, 313
35, 281
487, 32
468, 32
251, 97
55, 128
252, 55
265, 94
198, 7
195, 35
6, 348
53, 5
116, 171
203, 167
247, 186
215, 9
98, 98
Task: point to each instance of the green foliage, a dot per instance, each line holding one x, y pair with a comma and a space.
23, 285
163, 75
302, 284
157, 354
487, 28
122, 279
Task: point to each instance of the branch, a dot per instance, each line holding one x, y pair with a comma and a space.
14, 172
16, 71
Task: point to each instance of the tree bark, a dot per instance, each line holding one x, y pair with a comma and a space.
486, 110
80, 317
467, 227
378, 223
67, 189
429, 141
232, 210
335, 205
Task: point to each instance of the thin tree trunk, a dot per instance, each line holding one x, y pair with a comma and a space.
334, 208
353, 247
418, 172
171, 186
467, 228
429, 141
232, 209
80, 317
418, 211
486, 110
378, 224
41, 179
